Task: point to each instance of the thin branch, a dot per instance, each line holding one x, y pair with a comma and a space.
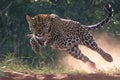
8, 6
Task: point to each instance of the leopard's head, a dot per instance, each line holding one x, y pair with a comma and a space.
42, 24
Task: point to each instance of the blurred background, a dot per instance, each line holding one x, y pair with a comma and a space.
13, 25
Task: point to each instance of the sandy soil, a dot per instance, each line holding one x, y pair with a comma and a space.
29, 76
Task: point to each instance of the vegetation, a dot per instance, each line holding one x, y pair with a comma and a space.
12, 63
13, 25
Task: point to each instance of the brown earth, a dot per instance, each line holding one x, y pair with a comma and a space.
29, 76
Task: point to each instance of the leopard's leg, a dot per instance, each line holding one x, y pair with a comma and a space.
73, 49
90, 43
35, 44
75, 52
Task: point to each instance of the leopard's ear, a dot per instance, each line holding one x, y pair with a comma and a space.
28, 18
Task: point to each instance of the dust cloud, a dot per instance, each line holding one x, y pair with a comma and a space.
107, 43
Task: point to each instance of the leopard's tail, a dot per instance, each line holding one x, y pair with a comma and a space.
109, 10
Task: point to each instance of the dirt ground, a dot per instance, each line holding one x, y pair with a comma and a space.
29, 76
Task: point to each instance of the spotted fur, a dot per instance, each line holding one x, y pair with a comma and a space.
65, 34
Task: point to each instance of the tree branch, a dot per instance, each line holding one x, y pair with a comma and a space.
8, 6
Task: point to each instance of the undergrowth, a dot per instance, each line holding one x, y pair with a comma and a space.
13, 63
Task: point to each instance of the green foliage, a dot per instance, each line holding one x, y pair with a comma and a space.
13, 25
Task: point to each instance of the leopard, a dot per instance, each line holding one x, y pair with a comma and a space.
66, 34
